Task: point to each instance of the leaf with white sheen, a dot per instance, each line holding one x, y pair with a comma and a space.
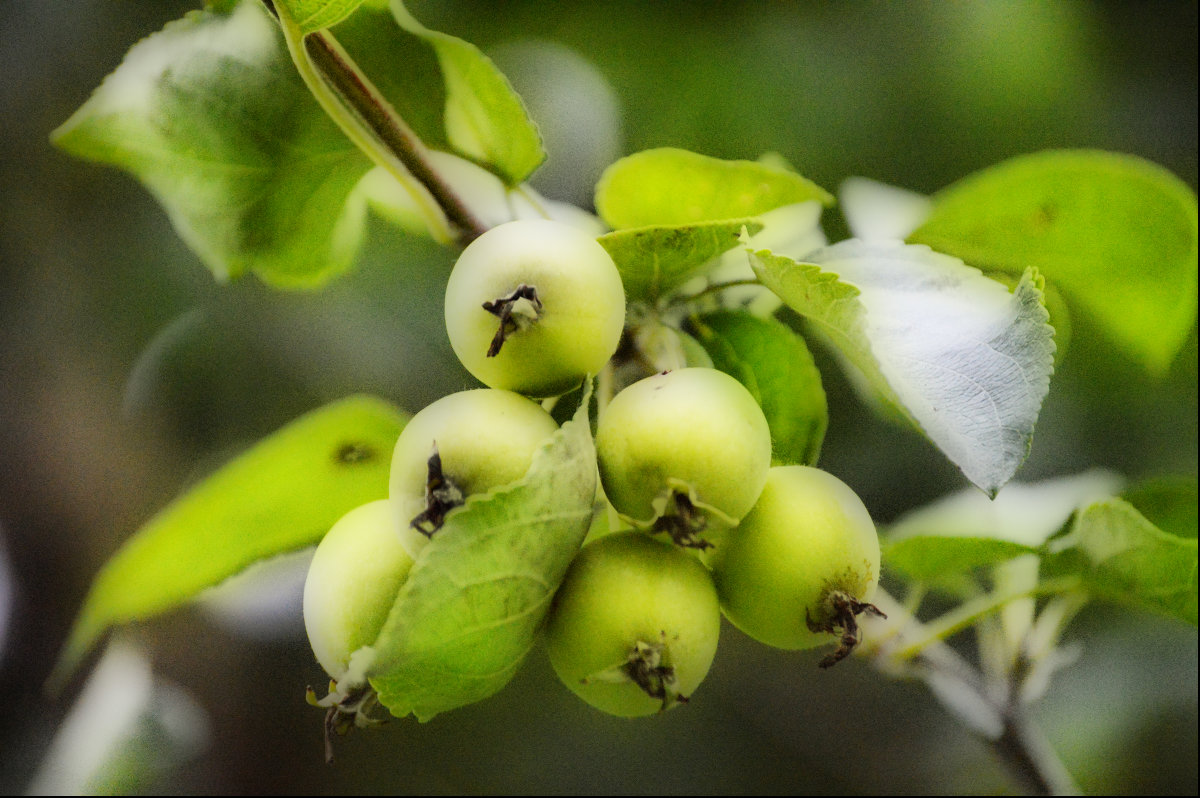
211, 117
1115, 232
966, 361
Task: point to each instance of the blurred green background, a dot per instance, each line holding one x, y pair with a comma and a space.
126, 373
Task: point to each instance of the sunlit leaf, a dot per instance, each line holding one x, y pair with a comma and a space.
676, 187
467, 615
210, 115
774, 364
485, 119
281, 495
966, 361
654, 260
1116, 233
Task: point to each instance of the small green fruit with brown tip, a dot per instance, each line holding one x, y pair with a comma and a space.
463, 444
801, 565
634, 626
534, 306
693, 435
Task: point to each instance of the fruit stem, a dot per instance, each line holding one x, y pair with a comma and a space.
715, 288
969, 613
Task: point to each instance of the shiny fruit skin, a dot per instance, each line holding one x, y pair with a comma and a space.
352, 582
582, 307
808, 534
625, 589
485, 438
698, 426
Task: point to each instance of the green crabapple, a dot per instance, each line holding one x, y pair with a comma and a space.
534, 306
355, 574
463, 444
801, 565
678, 447
633, 629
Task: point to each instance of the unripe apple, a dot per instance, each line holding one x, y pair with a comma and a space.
695, 433
352, 582
534, 306
633, 629
463, 444
802, 564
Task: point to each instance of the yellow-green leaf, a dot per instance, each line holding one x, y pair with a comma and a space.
282, 494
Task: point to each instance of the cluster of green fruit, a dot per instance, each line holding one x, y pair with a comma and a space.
707, 525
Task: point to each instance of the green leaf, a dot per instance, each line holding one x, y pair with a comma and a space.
676, 187
1124, 558
485, 119
774, 364
966, 362
468, 614
315, 15
1116, 233
654, 260
945, 562
282, 494
940, 543
210, 115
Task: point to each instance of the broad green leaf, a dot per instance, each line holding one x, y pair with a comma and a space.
315, 15
1116, 233
485, 119
654, 260
966, 361
941, 542
210, 115
467, 615
676, 187
1124, 558
282, 494
775, 365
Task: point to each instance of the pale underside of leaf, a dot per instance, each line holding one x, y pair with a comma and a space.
469, 611
966, 361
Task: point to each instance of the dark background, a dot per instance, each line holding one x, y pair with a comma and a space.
103, 418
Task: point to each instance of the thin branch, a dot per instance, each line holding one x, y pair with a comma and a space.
370, 106
903, 646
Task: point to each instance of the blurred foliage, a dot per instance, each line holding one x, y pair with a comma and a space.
126, 372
